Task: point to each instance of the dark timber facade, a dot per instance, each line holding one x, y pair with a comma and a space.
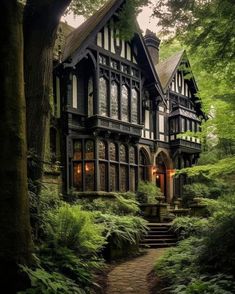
119, 111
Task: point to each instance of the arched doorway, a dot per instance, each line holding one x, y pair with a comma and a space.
161, 173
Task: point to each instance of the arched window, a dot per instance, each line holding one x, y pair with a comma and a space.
103, 97
125, 103
122, 152
102, 150
143, 166
114, 100
90, 91
112, 152
134, 106
89, 149
132, 158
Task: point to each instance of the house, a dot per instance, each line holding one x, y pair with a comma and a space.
118, 112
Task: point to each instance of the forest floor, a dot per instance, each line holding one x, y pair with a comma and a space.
134, 276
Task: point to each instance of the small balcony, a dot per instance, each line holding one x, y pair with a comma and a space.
186, 145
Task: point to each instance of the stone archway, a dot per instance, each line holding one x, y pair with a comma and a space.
163, 176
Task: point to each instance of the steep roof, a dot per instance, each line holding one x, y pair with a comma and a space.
167, 68
79, 35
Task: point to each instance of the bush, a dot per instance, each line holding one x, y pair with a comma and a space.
69, 226
121, 204
189, 226
121, 229
194, 190
147, 192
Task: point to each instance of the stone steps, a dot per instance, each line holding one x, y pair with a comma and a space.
159, 236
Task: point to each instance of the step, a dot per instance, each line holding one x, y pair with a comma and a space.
158, 245
159, 240
154, 236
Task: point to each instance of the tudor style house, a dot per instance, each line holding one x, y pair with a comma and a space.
118, 112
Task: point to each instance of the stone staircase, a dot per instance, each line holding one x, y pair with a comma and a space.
159, 236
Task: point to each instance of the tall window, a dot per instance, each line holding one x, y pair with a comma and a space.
103, 165
114, 100
125, 103
123, 168
90, 97
113, 168
103, 97
83, 165
143, 168
134, 106
133, 168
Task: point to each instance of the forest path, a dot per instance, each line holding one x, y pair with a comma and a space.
130, 277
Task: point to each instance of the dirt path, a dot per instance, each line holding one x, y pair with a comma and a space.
130, 277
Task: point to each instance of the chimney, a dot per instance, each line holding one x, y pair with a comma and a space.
152, 42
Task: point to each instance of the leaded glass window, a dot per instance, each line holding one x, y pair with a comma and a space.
102, 150
113, 177
134, 106
132, 155
132, 178
103, 96
77, 152
122, 152
89, 149
114, 100
77, 176
89, 176
103, 175
123, 175
112, 152
143, 169
125, 104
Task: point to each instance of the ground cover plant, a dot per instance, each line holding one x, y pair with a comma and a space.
204, 262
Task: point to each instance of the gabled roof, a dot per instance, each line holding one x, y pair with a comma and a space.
166, 69
79, 35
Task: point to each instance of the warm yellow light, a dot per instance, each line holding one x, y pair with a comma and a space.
171, 172
154, 169
78, 169
87, 168
157, 176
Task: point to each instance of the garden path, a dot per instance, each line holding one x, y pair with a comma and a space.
130, 277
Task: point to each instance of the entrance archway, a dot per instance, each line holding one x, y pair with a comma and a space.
161, 173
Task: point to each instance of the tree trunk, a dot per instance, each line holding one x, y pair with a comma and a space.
15, 231
41, 20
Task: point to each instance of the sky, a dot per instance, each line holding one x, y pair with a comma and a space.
144, 19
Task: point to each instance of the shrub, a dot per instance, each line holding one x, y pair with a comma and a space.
194, 190
121, 204
147, 192
69, 226
121, 229
43, 282
189, 226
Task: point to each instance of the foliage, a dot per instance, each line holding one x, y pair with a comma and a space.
121, 204
179, 265
221, 168
43, 282
121, 229
205, 262
147, 192
69, 226
186, 227
191, 191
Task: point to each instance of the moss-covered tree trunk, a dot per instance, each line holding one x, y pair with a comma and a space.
15, 231
41, 20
